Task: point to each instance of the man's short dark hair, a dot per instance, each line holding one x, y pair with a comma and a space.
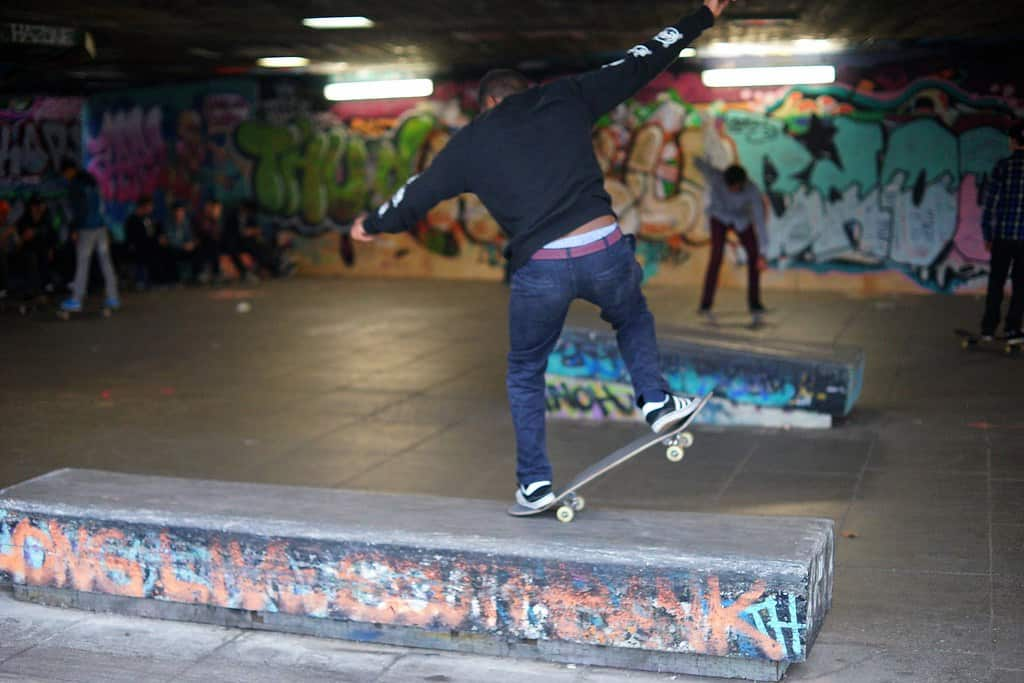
144, 200
68, 165
735, 175
1017, 133
500, 83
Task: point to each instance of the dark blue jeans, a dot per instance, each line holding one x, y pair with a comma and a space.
541, 294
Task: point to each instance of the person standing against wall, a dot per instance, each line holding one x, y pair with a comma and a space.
90, 233
1002, 224
736, 205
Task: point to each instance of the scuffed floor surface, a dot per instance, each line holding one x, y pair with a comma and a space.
399, 386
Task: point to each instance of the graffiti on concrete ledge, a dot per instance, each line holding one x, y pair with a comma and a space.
518, 598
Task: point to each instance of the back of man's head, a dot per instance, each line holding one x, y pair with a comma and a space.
1017, 134
499, 84
735, 176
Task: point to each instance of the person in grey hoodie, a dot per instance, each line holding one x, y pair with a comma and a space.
736, 205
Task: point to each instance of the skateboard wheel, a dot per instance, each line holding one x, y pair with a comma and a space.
674, 454
686, 439
565, 514
578, 503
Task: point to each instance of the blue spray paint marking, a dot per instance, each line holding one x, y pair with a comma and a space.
778, 626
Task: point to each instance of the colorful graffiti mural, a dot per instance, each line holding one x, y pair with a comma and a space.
759, 384
879, 182
173, 144
37, 135
653, 608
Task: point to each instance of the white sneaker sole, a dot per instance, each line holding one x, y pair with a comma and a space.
536, 504
674, 416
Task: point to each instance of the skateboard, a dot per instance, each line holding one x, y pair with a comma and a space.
970, 340
568, 502
104, 311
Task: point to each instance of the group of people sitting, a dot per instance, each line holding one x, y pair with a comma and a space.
38, 251
163, 252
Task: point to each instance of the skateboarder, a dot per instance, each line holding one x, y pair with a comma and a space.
91, 235
736, 205
530, 159
1002, 224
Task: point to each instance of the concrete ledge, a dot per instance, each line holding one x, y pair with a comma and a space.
770, 384
684, 593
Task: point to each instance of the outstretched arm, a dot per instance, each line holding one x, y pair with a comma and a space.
609, 86
443, 179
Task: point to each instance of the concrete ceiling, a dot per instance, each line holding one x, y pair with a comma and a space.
151, 42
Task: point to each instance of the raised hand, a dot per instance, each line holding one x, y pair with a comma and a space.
716, 6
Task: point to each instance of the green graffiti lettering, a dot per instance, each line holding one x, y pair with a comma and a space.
921, 147
265, 143
858, 145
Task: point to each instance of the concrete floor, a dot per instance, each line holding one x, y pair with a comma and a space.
399, 386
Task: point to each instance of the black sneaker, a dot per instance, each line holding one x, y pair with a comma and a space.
1014, 338
535, 496
672, 409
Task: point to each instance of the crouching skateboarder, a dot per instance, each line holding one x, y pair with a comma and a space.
530, 159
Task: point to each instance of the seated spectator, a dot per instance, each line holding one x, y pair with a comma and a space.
177, 244
245, 235
209, 231
37, 244
8, 243
141, 236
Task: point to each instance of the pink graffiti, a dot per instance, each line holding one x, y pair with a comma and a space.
968, 238
128, 155
223, 112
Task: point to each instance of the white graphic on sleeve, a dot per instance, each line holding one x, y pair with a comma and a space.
640, 51
397, 199
617, 62
669, 36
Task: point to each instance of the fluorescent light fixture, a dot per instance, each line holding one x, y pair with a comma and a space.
282, 62
770, 75
379, 90
804, 46
337, 22
688, 52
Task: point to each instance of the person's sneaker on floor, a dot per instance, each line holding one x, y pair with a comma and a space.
708, 316
535, 496
987, 336
112, 304
71, 305
1015, 337
672, 409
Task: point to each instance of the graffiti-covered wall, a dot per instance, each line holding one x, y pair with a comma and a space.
37, 135
873, 184
174, 144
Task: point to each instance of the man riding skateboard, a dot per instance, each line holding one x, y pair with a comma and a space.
530, 159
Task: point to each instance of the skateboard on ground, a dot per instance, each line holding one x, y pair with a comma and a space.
568, 503
970, 340
103, 311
